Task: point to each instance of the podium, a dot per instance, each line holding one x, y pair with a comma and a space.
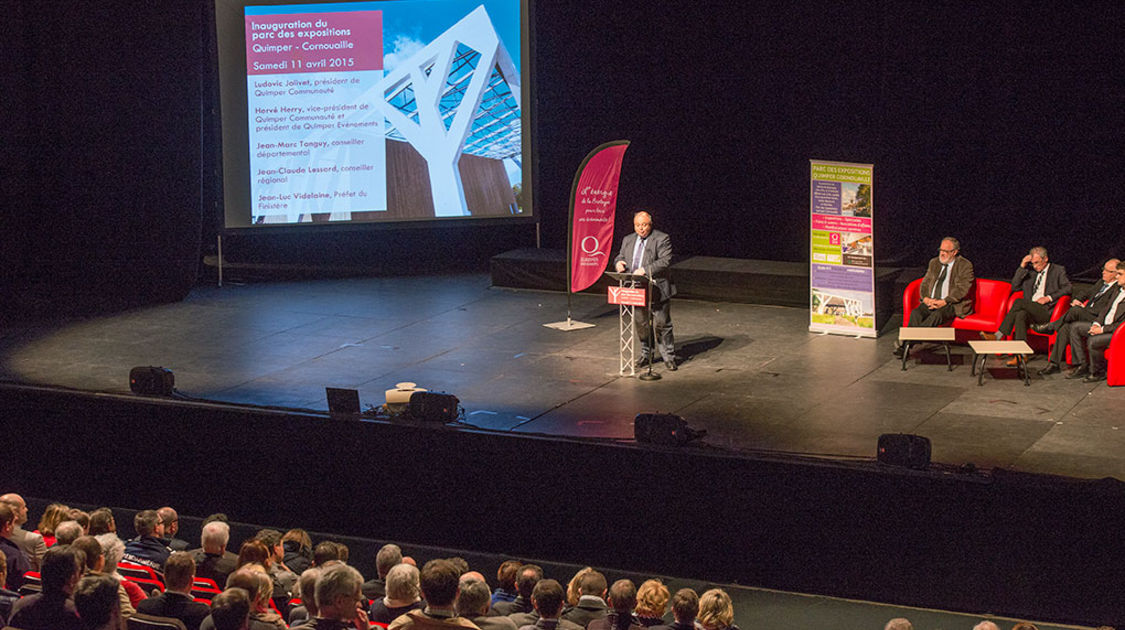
631, 291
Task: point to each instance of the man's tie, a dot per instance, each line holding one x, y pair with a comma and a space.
1105, 287
638, 252
940, 282
1038, 283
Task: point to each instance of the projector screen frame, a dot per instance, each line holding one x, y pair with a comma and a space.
231, 116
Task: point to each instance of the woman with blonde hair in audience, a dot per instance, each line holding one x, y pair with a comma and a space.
52, 516
572, 593
256, 580
716, 612
652, 603
298, 550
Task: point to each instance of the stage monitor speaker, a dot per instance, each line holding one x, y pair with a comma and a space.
904, 450
434, 407
152, 381
663, 428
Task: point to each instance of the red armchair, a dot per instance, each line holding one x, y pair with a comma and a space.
1115, 355
1039, 341
990, 305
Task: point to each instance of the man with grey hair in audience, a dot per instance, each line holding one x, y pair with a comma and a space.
95, 565
389, 555
304, 614
403, 595
473, 602
30, 542
898, 623
67, 532
212, 560
338, 596
986, 625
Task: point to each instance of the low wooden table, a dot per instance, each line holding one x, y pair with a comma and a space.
983, 348
908, 335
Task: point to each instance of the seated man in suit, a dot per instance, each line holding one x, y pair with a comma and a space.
945, 288
1042, 283
176, 600
1085, 308
1097, 334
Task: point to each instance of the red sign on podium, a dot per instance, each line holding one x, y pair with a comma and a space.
627, 296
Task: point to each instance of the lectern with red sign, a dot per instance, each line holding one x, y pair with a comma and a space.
631, 291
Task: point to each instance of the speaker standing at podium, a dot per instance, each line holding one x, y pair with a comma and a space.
648, 252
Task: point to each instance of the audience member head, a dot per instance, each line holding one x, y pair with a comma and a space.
899, 623
230, 610
52, 516
61, 568
547, 597
215, 537
101, 522
92, 549
1024, 625
254, 551
217, 516
18, 505
80, 517
147, 523
96, 600
306, 589
324, 552
652, 599
298, 540
271, 538
592, 583
342, 552
685, 605
7, 520
402, 584
113, 549
715, 610
623, 596
338, 592
572, 594
461, 564
170, 520
67, 532
474, 599
528, 576
179, 572
439, 580
988, 625
256, 582
506, 575
389, 555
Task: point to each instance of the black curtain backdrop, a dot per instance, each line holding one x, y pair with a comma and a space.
997, 122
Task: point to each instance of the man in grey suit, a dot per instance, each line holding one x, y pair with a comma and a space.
648, 252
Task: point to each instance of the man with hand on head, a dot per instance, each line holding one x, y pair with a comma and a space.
648, 252
1042, 283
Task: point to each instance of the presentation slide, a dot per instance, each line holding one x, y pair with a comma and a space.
393, 110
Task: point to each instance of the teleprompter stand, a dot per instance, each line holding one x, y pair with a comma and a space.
632, 291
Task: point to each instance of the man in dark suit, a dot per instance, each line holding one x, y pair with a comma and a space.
1085, 308
945, 288
212, 560
528, 576
591, 600
176, 600
1097, 334
1042, 283
648, 252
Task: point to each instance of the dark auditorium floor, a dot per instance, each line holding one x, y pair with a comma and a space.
753, 376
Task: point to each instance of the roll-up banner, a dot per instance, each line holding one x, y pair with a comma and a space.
593, 201
842, 255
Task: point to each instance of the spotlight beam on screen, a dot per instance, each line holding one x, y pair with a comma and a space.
374, 111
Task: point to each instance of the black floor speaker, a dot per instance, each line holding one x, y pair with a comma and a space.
904, 450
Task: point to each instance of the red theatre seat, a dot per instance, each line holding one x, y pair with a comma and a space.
1037, 341
990, 305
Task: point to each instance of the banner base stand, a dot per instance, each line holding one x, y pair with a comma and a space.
569, 325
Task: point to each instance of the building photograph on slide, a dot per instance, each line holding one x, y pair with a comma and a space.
391, 110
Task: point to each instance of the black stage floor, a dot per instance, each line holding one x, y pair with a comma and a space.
753, 376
